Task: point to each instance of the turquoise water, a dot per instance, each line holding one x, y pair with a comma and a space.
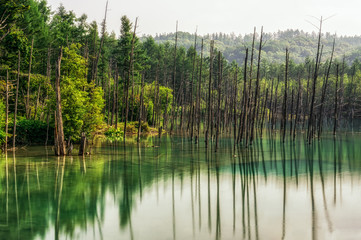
174, 189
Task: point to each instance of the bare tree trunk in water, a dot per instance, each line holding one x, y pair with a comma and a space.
60, 145
27, 108
16, 101
128, 80
209, 92
336, 102
315, 75
6, 111
219, 98
257, 87
140, 109
174, 77
284, 121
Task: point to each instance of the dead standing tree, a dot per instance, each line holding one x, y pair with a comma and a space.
209, 93
59, 132
284, 110
174, 77
27, 106
256, 92
128, 80
95, 66
16, 100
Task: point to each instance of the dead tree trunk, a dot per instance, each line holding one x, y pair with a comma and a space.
199, 95
27, 107
299, 97
315, 75
16, 101
60, 144
336, 103
140, 110
95, 67
209, 93
128, 80
219, 98
257, 87
174, 76
194, 72
243, 118
324, 90
284, 110
6, 110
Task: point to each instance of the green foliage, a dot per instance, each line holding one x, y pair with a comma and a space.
32, 132
113, 134
82, 102
144, 126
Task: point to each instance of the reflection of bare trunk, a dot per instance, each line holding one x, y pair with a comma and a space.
173, 207
199, 194
314, 214
140, 173
255, 200
248, 210
29, 201
16, 196
7, 187
329, 223
209, 198
57, 220
284, 192
234, 192
218, 222
334, 171
193, 225
99, 225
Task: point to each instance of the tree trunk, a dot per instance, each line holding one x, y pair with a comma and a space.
174, 76
27, 107
95, 67
82, 146
315, 75
60, 144
284, 110
6, 111
16, 101
128, 80
209, 92
336, 103
140, 109
257, 86
219, 98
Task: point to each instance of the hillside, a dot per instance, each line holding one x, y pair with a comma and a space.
301, 44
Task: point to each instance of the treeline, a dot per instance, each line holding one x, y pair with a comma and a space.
65, 80
301, 44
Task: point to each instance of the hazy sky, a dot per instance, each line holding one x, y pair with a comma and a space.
227, 16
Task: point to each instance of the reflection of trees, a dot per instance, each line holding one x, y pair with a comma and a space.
39, 194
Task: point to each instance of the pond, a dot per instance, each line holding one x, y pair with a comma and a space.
170, 188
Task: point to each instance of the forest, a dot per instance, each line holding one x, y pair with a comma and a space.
65, 80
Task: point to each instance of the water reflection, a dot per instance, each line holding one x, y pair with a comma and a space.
182, 191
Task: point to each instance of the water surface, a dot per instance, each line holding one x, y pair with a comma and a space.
174, 189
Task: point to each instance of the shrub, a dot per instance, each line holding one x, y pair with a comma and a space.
144, 126
32, 132
113, 134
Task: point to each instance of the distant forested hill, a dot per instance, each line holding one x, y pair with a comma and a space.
301, 45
